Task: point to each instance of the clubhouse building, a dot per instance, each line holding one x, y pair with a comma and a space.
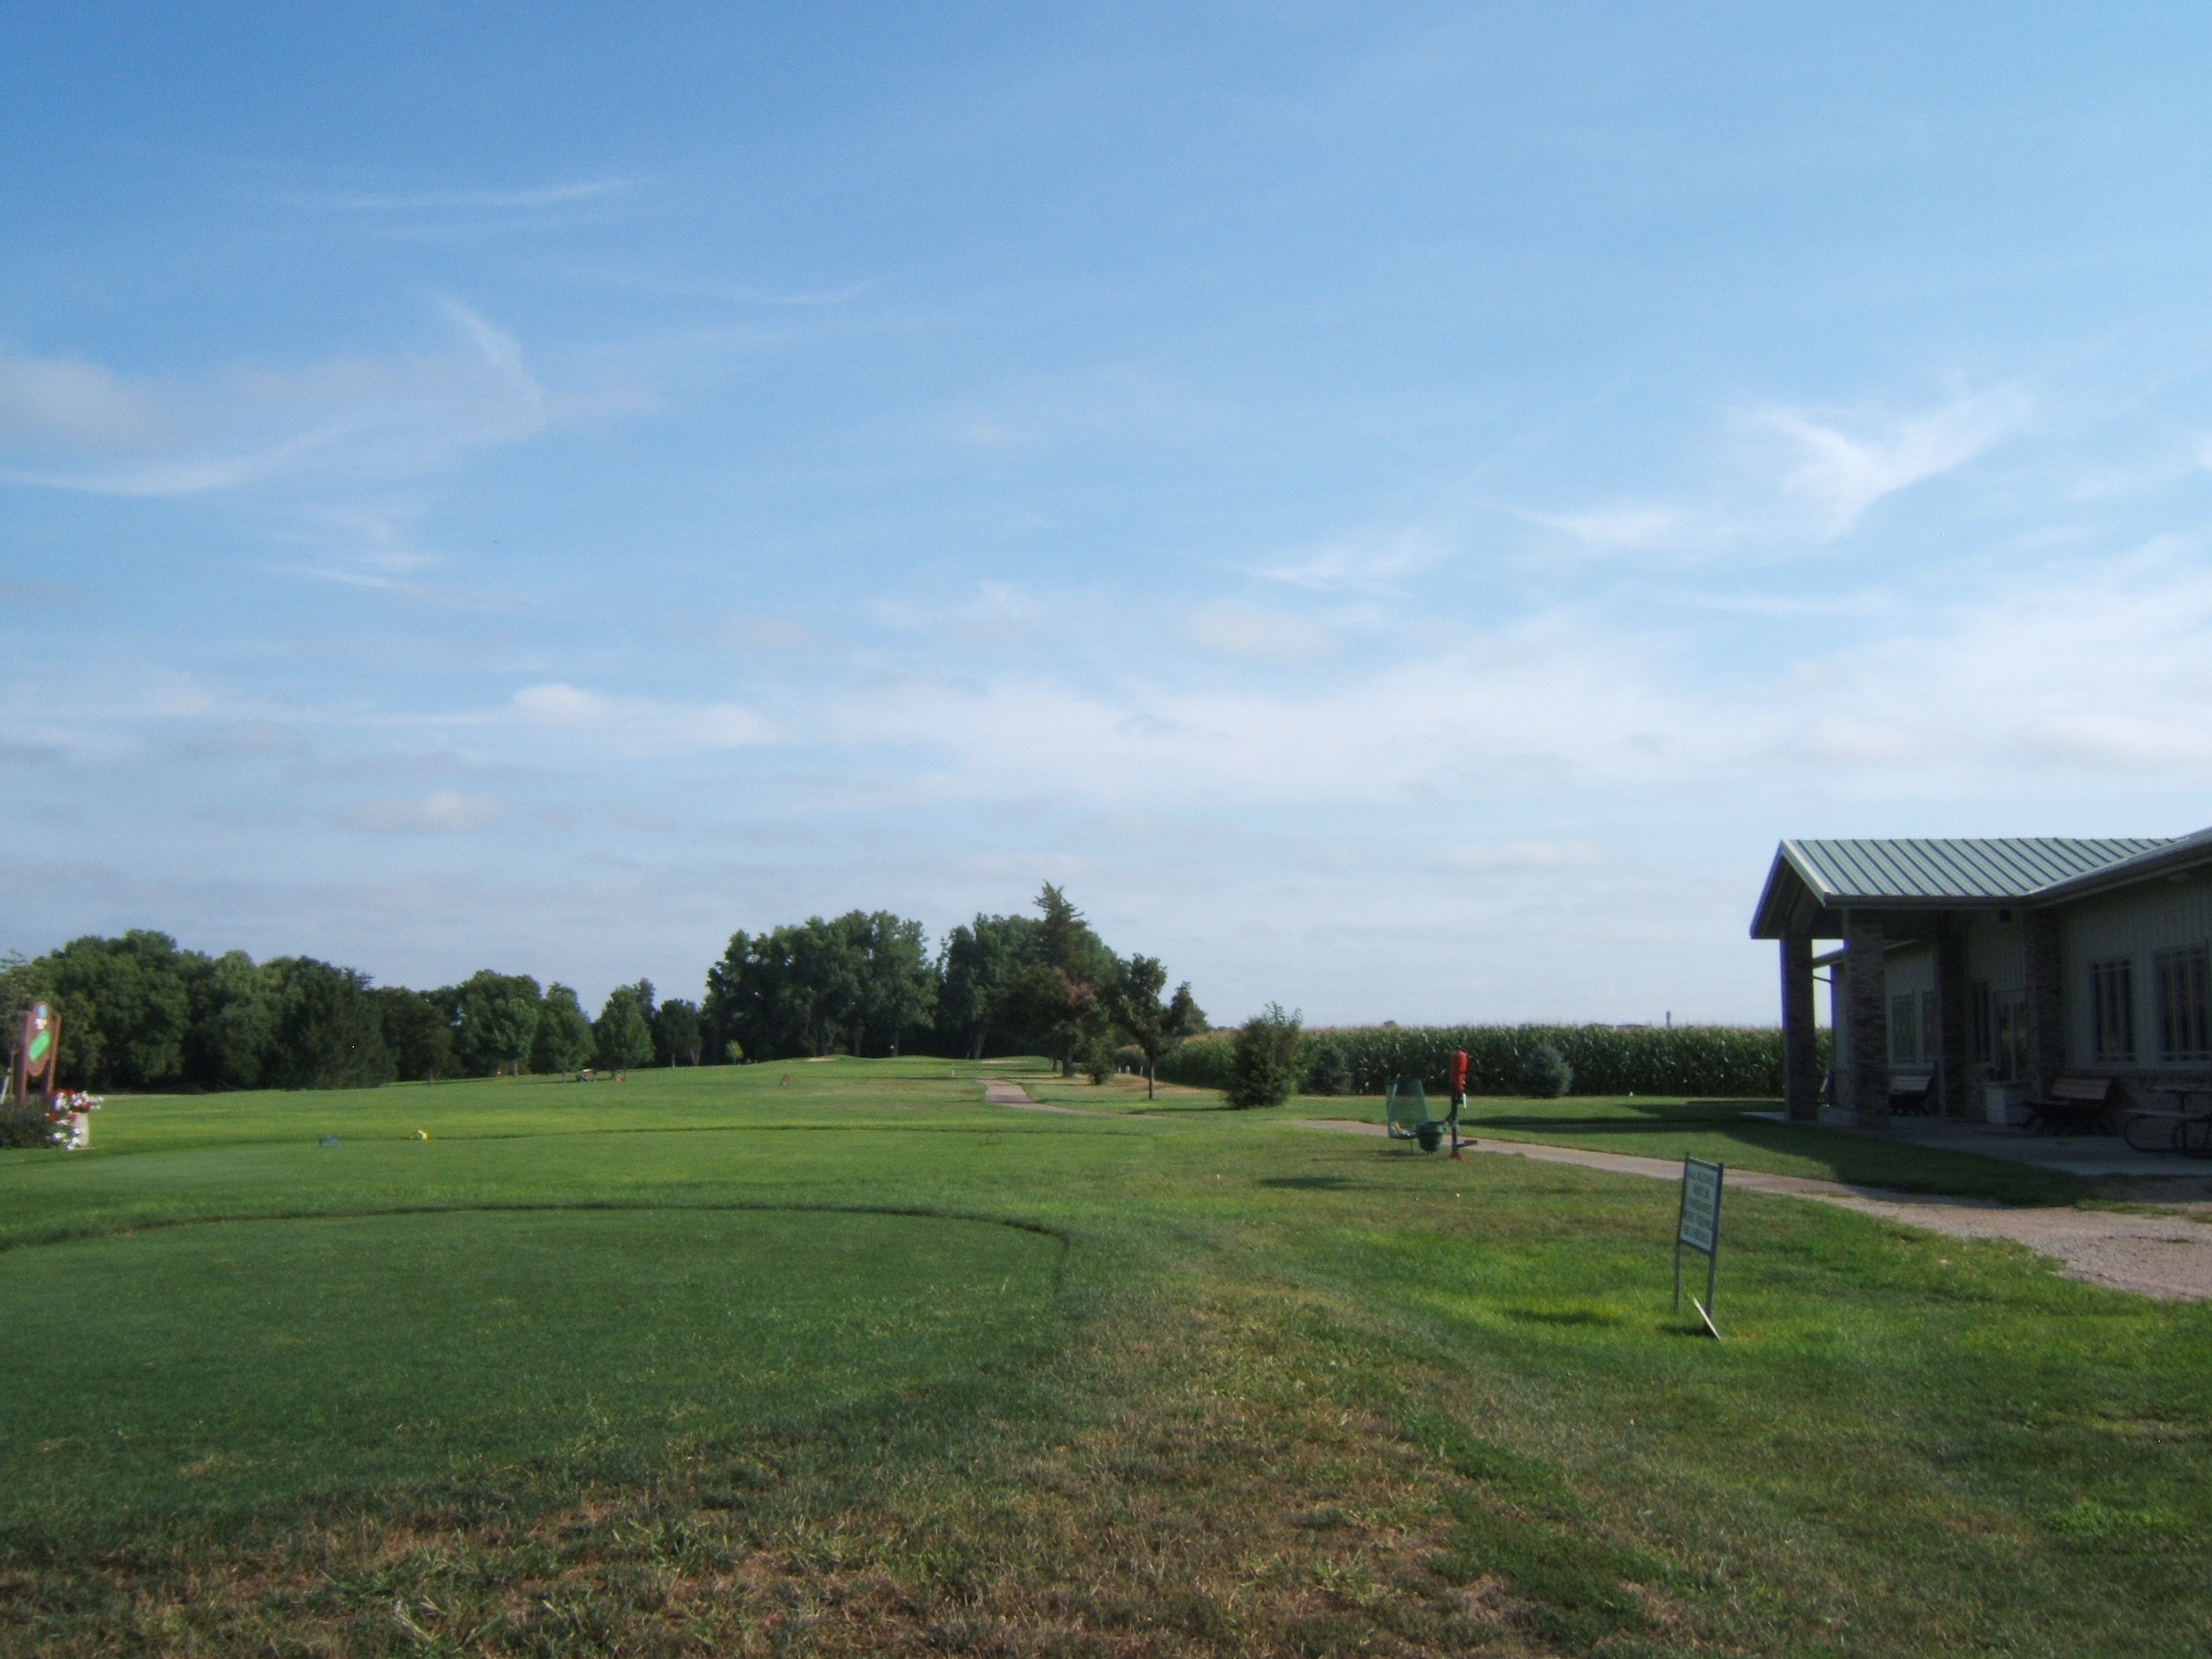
2015, 961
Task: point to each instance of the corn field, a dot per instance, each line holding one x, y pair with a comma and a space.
1724, 1061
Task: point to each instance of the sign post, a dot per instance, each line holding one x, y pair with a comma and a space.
1698, 1227
37, 1044
1458, 1094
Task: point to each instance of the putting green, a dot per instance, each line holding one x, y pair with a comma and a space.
212, 1365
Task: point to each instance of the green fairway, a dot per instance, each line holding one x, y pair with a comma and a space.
1731, 1131
714, 1361
243, 1360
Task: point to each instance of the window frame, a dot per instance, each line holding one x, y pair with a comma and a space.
2182, 979
1904, 1027
2112, 1011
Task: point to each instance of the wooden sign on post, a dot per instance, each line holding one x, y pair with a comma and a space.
37, 1047
1698, 1227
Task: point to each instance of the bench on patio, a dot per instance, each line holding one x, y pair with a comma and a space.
2076, 1105
1913, 1094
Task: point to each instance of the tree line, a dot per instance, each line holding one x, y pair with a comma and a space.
139, 1012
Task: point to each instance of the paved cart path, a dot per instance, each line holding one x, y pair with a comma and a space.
998, 1092
2167, 1256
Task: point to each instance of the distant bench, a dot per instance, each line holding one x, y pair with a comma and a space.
2076, 1105
1913, 1093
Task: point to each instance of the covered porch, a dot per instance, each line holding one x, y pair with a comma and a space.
1933, 907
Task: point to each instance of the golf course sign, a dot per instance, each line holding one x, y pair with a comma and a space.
1698, 1227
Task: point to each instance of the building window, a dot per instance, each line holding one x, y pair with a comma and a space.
2184, 1003
1930, 1051
1978, 1006
2112, 1007
2012, 1039
1903, 1030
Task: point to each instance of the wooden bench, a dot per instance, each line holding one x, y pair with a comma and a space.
2077, 1106
1913, 1094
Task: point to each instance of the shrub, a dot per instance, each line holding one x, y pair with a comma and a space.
1265, 1070
1098, 1061
1545, 1073
26, 1126
1328, 1072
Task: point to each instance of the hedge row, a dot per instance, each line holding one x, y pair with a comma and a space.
1725, 1061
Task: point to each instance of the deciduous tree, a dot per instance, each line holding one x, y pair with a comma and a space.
1133, 1001
676, 1032
496, 1021
564, 1040
622, 1036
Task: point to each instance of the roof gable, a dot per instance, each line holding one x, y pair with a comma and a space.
1809, 877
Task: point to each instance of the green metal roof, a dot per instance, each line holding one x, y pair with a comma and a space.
1810, 877
2004, 867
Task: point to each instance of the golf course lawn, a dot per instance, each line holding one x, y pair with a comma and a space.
836, 1357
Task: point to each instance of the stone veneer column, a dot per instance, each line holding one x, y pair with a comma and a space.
1801, 1067
1955, 1048
2041, 942
1867, 996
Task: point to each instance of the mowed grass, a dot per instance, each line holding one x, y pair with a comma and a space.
713, 1362
1731, 1131
237, 1363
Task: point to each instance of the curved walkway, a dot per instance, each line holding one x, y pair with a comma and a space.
998, 1092
2164, 1256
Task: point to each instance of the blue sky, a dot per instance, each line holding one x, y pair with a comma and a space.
1397, 509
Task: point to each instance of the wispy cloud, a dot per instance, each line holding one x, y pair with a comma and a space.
1114, 405
448, 812
998, 613
1520, 857
1843, 466
1371, 562
72, 426
1793, 476
636, 722
1259, 636
534, 196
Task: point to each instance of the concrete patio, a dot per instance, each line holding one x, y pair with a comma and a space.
2081, 1155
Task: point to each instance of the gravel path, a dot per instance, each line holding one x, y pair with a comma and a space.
998, 1092
2161, 1255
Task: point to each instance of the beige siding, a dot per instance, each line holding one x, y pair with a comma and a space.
1994, 954
2133, 925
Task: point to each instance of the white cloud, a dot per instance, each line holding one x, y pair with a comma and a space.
1520, 857
63, 401
1841, 473
638, 723
752, 633
1261, 636
1624, 529
542, 196
1805, 476
74, 426
998, 614
445, 812
1374, 562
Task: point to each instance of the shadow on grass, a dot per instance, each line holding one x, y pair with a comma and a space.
1625, 1114
1754, 1143
1317, 1183
1563, 1317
